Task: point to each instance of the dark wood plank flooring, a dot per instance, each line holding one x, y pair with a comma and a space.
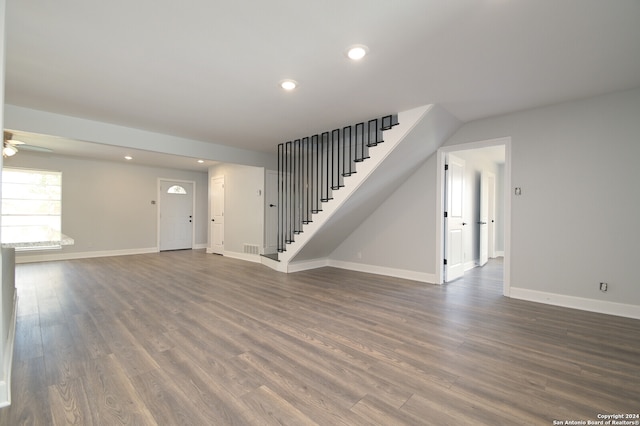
186, 338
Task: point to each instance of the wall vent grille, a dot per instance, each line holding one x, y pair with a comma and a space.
251, 249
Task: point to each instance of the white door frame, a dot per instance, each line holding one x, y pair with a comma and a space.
440, 158
159, 209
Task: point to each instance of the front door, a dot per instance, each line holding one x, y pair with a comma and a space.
176, 215
454, 224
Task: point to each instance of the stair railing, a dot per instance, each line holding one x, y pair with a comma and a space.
311, 168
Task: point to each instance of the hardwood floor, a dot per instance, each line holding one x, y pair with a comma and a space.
194, 339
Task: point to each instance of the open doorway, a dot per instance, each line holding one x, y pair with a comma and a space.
480, 178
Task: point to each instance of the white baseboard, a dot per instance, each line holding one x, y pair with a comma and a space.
307, 264
25, 257
499, 253
243, 256
383, 270
5, 385
584, 304
200, 246
359, 267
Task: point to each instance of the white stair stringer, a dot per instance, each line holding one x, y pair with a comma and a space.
420, 132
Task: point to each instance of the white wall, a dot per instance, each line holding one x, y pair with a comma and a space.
243, 207
106, 206
575, 223
48, 123
397, 239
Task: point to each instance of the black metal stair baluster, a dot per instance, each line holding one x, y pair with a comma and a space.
335, 159
293, 189
326, 178
279, 245
316, 174
386, 122
285, 195
346, 144
379, 132
287, 191
297, 190
303, 186
373, 133
309, 180
358, 142
308, 177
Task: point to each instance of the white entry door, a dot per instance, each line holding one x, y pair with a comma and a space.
483, 220
271, 213
217, 215
454, 224
176, 215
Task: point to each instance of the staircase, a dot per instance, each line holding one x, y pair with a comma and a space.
329, 183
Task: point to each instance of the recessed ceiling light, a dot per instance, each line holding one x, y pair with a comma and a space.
128, 157
357, 52
200, 161
288, 84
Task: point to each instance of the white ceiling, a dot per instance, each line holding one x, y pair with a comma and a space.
48, 145
209, 70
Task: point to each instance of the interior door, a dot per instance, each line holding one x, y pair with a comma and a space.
483, 220
454, 224
176, 215
491, 179
217, 215
271, 213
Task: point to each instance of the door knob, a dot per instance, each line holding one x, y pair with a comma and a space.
272, 205
464, 223
213, 220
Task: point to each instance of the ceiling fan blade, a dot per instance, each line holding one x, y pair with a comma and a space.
25, 147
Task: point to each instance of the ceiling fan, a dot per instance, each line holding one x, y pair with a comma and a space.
10, 146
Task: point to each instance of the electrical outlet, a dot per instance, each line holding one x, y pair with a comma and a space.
604, 286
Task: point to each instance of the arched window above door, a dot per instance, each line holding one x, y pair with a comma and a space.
177, 189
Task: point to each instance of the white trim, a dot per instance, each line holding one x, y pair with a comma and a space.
242, 256
573, 302
305, 265
499, 253
471, 264
200, 246
382, 270
5, 385
352, 266
29, 258
193, 208
440, 159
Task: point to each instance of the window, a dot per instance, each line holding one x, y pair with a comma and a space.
177, 189
31, 198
